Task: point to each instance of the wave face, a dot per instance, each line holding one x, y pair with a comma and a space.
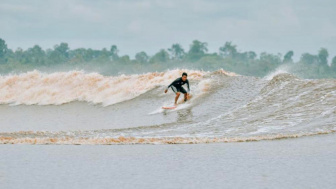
126, 109
60, 88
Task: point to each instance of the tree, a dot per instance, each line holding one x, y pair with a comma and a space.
251, 55
35, 55
91, 54
323, 56
124, 59
63, 49
60, 54
309, 58
197, 50
78, 55
3, 50
18, 54
245, 56
288, 57
114, 52
103, 55
142, 57
333, 64
228, 50
176, 51
161, 56
270, 58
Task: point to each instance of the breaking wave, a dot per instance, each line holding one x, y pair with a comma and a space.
64, 87
225, 107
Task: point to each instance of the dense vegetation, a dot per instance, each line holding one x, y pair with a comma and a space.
108, 61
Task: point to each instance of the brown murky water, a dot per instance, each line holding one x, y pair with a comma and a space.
80, 108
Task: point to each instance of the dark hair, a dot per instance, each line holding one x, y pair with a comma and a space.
184, 74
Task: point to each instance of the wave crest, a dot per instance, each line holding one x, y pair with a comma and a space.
64, 87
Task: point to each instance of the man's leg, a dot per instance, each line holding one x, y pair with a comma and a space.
177, 97
182, 90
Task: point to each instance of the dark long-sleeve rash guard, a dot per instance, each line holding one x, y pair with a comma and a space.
178, 83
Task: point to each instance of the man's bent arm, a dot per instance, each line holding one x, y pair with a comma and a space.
188, 86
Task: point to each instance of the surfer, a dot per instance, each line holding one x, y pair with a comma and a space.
176, 86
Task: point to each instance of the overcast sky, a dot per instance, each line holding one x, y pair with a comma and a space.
147, 25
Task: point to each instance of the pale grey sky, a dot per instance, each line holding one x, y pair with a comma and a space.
149, 25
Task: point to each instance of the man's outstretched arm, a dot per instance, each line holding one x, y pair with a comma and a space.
171, 85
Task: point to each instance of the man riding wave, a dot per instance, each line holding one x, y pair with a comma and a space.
176, 86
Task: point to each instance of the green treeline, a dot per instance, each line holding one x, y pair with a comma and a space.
109, 62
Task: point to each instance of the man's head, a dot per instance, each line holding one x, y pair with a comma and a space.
184, 76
